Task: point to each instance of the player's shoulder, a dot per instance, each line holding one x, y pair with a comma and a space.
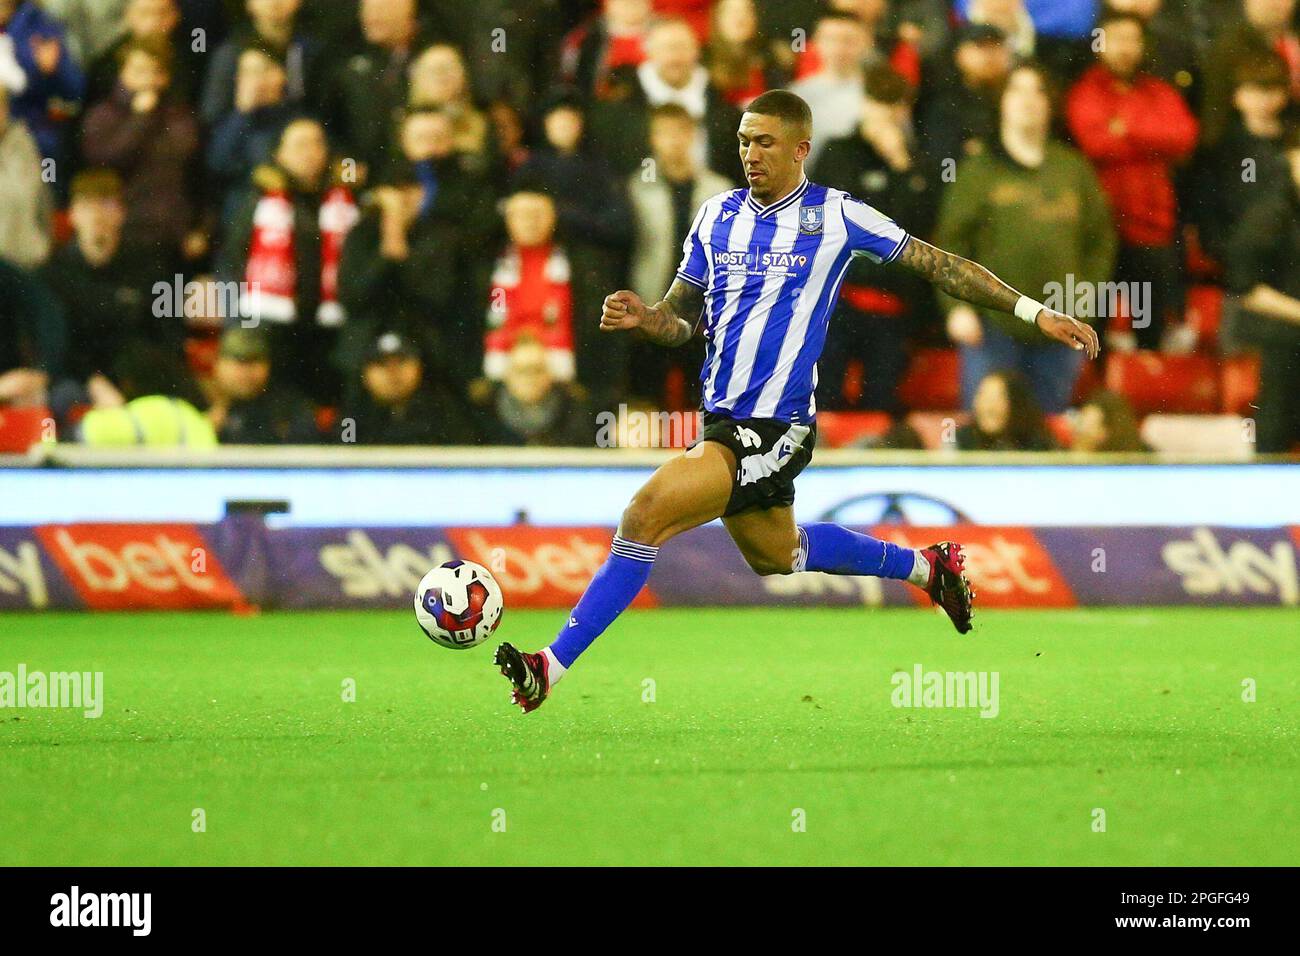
727, 202
848, 204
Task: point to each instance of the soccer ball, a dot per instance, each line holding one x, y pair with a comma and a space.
458, 604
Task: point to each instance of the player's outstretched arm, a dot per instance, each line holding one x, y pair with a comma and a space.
669, 322
970, 281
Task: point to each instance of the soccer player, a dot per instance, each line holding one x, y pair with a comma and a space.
762, 266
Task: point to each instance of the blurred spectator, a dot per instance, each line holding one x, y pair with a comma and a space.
413, 260
1136, 129
879, 309
150, 403
45, 83
1015, 22
613, 39
148, 135
1262, 270
369, 90
92, 25
285, 241
1106, 423
245, 406
529, 407
1247, 160
1032, 211
33, 337
1171, 52
106, 286
958, 111
922, 24
439, 81
663, 208
511, 143
272, 28
1267, 28
25, 201
880, 161
532, 289
247, 133
672, 73
894, 32
593, 218
397, 406
834, 93
1005, 417
740, 59
157, 22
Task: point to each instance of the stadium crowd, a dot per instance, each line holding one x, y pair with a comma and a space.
391, 222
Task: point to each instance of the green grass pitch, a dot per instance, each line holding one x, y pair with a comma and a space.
756, 715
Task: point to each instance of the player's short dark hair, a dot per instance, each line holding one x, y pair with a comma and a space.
785, 106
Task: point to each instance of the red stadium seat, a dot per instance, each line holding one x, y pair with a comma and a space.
1155, 382
1239, 384
1089, 381
21, 428
1062, 429
840, 429
932, 382
1204, 312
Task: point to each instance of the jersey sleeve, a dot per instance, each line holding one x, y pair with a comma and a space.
694, 267
871, 232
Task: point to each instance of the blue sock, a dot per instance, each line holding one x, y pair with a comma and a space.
615, 586
837, 550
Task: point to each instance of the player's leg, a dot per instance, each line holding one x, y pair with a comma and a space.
690, 490
773, 544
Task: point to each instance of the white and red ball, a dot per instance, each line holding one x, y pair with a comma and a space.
458, 604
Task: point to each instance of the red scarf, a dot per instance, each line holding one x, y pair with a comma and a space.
531, 294
272, 271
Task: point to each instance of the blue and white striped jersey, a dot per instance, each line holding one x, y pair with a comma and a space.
771, 276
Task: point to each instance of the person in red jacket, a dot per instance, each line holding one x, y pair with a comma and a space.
1136, 128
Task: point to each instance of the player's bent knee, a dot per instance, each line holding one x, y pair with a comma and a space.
643, 520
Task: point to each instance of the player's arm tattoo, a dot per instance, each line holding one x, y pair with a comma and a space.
960, 278
672, 321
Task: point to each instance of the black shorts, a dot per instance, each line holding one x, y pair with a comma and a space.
769, 454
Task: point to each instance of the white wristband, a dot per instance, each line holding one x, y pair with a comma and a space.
1027, 309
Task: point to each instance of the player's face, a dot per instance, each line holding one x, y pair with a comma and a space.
771, 155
